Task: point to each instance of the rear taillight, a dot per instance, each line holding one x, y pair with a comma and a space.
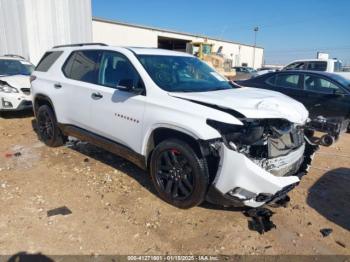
32, 78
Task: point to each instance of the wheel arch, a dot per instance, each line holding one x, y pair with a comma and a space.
40, 100
161, 133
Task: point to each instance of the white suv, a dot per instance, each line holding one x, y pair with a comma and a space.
14, 83
200, 136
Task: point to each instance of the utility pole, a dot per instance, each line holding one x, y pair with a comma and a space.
256, 29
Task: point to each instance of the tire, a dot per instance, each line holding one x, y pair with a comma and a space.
348, 130
48, 130
180, 177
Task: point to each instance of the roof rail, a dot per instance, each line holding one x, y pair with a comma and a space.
12, 55
80, 44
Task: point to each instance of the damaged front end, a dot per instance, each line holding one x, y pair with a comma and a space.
259, 162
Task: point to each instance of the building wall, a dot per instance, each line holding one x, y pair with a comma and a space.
29, 27
119, 34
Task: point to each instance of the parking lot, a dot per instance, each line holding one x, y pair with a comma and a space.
114, 209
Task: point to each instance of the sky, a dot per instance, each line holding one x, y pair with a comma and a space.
288, 29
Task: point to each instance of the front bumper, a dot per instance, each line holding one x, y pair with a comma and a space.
241, 182
15, 102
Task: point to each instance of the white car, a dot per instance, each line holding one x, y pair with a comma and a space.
323, 65
15, 83
200, 136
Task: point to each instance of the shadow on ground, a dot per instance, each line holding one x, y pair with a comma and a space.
16, 114
25, 257
330, 196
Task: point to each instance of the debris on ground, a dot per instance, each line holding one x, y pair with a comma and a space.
8, 155
283, 202
340, 243
260, 219
59, 211
326, 232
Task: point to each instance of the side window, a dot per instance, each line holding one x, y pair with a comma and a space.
83, 66
48, 59
288, 80
116, 69
295, 66
317, 66
271, 80
320, 85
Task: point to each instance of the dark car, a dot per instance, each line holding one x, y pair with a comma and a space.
323, 94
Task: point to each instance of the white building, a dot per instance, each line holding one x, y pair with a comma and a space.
30, 27
124, 34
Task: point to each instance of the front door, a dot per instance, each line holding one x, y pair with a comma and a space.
117, 113
329, 99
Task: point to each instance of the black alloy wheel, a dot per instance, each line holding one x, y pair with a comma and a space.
174, 174
179, 175
45, 126
48, 130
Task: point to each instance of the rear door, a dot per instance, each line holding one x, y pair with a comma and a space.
81, 74
290, 84
117, 114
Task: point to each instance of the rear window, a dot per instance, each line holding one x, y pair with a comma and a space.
317, 66
48, 60
295, 66
83, 66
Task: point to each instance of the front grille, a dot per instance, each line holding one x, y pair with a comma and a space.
26, 91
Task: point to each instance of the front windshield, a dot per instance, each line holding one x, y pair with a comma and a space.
10, 67
183, 74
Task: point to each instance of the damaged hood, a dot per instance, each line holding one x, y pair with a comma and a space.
252, 103
19, 81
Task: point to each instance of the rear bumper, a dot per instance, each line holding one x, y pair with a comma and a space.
15, 102
241, 182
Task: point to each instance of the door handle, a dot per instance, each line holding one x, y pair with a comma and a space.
96, 96
57, 86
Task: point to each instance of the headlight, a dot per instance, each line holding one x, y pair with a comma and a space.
7, 89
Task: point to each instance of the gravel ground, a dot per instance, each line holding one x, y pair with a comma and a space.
116, 211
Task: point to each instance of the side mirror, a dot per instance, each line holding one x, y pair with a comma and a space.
126, 85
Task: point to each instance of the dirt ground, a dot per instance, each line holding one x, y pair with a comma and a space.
116, 211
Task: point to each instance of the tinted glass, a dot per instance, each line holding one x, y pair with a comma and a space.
317, 66
47, 61
10, 67
116, 70
320, 85
183, 74
287, 81
295, 66
271, 80
83, 66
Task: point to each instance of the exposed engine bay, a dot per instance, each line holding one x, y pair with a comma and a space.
259, 162
274, 144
